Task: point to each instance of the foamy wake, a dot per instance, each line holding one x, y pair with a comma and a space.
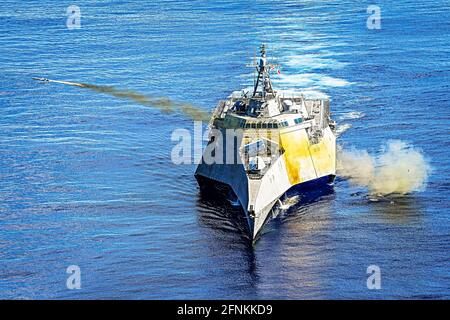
308, 80
342, 128
400, 169
313, 61
352, 115
289, 202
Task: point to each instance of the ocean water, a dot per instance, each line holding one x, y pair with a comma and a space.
86, 179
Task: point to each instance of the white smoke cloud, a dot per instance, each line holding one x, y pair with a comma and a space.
400, 168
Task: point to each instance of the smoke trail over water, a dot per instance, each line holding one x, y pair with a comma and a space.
163, 104
400, 168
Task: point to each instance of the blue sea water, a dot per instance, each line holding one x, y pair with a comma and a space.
86, 179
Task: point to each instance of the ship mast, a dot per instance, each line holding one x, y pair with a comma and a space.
263, 78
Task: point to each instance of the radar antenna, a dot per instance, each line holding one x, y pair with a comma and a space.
263, 77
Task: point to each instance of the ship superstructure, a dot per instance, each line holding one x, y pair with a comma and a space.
264, 143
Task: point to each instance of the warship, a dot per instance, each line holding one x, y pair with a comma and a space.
265, 144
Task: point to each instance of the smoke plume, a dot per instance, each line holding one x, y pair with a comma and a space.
162, 103
400, 168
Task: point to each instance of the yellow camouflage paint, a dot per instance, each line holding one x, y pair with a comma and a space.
306, 162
